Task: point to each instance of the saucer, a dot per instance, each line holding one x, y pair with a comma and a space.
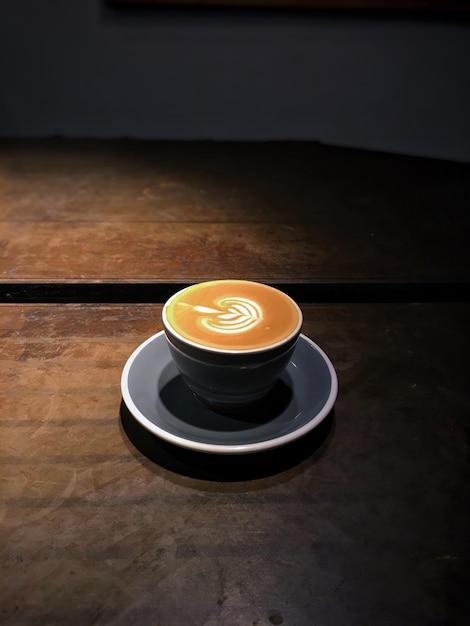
161, 402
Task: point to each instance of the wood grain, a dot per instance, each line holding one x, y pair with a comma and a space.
176, 212
95, 528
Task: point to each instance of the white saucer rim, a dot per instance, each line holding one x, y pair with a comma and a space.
233, 449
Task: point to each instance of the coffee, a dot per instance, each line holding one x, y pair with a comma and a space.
232, 315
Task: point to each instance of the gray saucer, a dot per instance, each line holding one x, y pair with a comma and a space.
158, 398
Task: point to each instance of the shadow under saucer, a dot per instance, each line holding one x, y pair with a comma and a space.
224, 467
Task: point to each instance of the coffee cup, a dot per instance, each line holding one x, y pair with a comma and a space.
231, 339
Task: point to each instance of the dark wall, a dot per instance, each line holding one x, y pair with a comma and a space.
84, 69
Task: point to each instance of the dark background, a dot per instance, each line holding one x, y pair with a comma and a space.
391, 82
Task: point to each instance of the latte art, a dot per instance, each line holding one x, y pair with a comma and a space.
232, 315
236, 315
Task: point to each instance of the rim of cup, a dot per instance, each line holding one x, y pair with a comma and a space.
169, 328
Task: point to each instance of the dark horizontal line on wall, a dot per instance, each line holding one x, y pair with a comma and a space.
332, 291
306, 6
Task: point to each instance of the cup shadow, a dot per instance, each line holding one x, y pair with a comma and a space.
224, 467
177, 397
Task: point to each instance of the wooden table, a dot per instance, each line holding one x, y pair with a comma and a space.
362, 522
